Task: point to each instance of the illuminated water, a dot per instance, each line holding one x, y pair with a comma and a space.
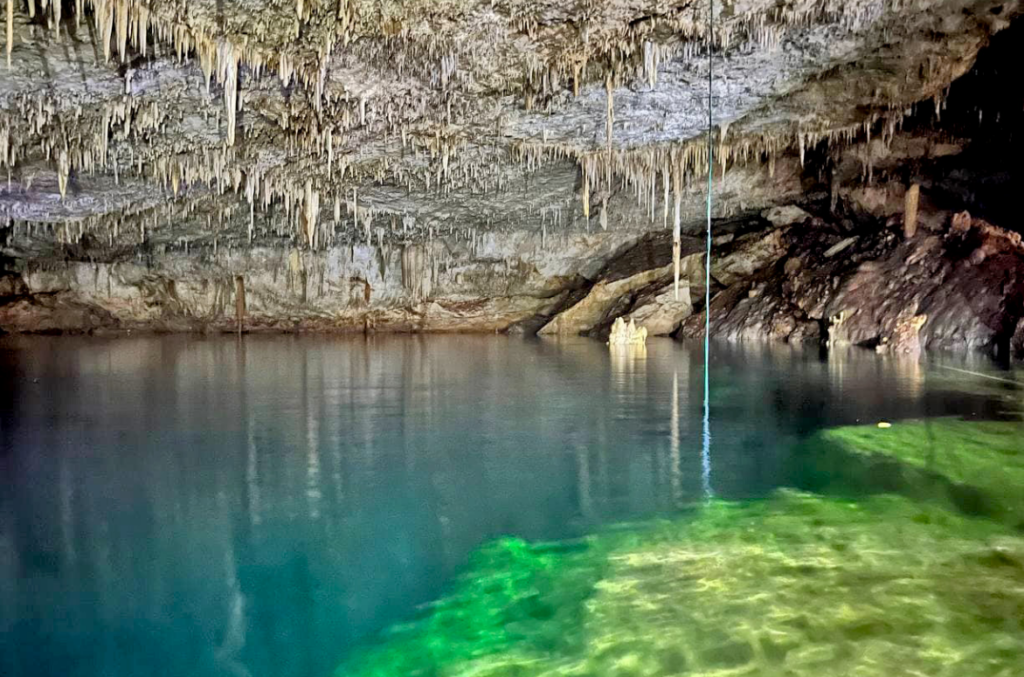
190, 507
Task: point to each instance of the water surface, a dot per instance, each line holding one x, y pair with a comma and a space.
202, 507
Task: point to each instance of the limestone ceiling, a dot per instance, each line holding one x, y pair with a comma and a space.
296, 120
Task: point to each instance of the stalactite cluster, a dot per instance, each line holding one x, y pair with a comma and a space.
327, 121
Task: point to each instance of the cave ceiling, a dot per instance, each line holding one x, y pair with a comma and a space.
312, 123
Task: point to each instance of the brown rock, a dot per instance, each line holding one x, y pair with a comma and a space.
12, 285
906, 337
961, 223
749, 255
879, 201
787, 215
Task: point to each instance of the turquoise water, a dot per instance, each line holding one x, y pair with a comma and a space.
182, 506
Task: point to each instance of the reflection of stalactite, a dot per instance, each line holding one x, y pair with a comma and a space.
67, 515
10, 566
415, 271
234, 635
586, 498
252, 476
675, 471
910, 373
313, 491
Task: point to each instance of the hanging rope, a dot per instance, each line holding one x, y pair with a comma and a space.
706, 450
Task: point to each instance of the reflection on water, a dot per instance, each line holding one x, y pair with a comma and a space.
174, 506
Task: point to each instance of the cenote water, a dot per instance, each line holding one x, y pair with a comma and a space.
453, 506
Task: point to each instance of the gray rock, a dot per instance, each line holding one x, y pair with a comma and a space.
663, 314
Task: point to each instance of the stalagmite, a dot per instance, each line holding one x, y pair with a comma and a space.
623, 334
910, 211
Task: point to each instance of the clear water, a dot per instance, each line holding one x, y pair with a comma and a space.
201, 507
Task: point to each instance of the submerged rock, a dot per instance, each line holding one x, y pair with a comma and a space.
773, 586
980, 458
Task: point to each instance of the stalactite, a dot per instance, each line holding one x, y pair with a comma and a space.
676, 230
121, 12
330, 150
610, 112
665, 183
311, 215
227, 72
10, 31
910, 211
63, 168
586, 193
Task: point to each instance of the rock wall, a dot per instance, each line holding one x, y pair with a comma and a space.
958, 286
957, 283
784, 274
441, 285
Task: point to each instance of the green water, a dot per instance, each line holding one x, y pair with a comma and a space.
456, 506
794, 584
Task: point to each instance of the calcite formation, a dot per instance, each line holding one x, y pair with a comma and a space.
456, 165
627, 334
